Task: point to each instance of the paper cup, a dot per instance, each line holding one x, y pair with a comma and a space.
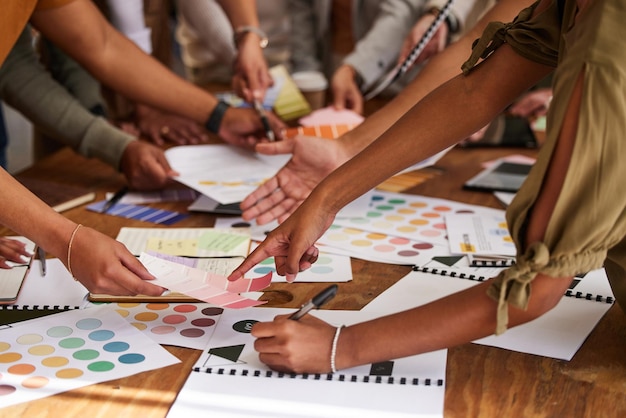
313, 85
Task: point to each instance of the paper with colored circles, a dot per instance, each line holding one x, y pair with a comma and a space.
225, 173
181, 324
418, 218
65, 351
203, 285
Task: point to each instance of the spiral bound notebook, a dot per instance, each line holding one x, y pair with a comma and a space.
229, 378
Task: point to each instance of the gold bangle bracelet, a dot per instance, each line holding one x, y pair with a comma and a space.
69, 250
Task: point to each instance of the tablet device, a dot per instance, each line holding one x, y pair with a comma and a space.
502, 177
506, 131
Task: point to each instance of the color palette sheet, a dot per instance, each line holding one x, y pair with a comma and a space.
139, 213
225, 173
190, 242
414, 217
65, 351
202, 285
181, 324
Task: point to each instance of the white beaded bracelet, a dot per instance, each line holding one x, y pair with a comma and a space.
333, 349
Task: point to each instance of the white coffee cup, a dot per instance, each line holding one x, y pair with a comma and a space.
313, 85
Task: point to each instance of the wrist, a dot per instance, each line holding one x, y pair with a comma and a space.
214, 122
246, 31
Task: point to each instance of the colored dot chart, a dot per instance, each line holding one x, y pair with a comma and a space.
414, 217
72, 349
182, 324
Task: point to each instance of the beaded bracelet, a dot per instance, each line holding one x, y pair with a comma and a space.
69, 250
333, 349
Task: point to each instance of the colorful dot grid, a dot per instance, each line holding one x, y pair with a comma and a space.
182, 324
375, 246
64, 351
414, 217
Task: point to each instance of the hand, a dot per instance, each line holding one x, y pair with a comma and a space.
532, 104
104, 265
302, 346
145, 166
160, 127
346, 93
292, 242
251, 78
243, 127
12, 250
435, 45
312, 160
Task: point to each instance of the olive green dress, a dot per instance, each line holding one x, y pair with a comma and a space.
587, 229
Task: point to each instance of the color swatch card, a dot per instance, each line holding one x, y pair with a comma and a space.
202, 285
190, 242
181, 324
65, 351
139, 213
229, 378
479, 234
327, 268
417, 218
225, 173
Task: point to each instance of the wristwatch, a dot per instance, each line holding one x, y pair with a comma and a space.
242, 31
215, 119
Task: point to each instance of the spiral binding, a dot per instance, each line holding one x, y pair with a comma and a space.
38, 307
460, 275
451, 273
337, 377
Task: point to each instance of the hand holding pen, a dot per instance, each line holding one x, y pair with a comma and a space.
264, 120
315, 303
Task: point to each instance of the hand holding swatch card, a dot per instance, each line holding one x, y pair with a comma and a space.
213, 288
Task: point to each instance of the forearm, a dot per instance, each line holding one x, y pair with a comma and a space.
26, 215
440, 120
29, 88
240, 12
118, 63
456, 319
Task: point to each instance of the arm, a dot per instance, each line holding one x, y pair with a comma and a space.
86, 36
443, 120
282, 194
28, 87
251, 77
99, 262
456, 319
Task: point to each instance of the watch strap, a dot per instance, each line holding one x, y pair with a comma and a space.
215, 119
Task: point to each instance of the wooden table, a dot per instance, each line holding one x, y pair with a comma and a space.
480, 380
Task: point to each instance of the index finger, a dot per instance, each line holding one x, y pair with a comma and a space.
254, 258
